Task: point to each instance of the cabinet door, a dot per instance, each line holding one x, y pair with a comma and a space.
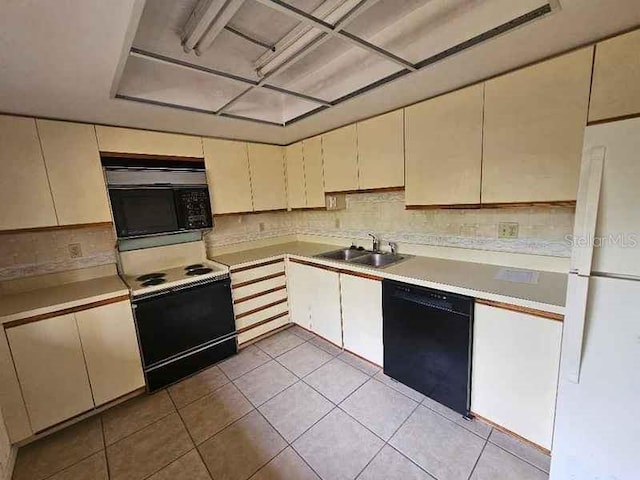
444, 149
51, 370
24, 187
267, 177
362, 317
326, 319
296, 191
615, 91
110, 347
533, 127
381, 151
516, 358
75, 173
312, 150
145, 142
340, 157
228, 173
300, 291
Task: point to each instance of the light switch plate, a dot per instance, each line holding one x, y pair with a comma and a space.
508, 230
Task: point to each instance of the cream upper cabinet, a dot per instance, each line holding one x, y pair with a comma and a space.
615, 91
111, 352
444, 149
516, 359
381, 151
227, 165
144, 142
75, 173
534, 121
50, 365
296, 191
340, 159
24, 187
313, 175
266, 163
362, 317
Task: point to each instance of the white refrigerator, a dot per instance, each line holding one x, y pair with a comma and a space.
597, 427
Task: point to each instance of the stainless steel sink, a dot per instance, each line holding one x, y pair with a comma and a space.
345, 254
378, 260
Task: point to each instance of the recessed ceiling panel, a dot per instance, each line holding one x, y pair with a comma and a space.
419, 29
262, 22
149, 80
270, 106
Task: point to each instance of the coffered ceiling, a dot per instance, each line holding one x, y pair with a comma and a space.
272, 70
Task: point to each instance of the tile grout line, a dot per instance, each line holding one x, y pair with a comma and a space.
475, 465
516, 455
104, 442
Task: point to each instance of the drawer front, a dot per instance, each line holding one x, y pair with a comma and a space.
258, 302
258, 287
258, 272
262, 329
261, 316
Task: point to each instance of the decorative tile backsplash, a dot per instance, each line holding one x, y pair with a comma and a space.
25, 254
542, 230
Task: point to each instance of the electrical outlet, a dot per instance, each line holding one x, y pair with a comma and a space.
508, 230
75, 250
261, 225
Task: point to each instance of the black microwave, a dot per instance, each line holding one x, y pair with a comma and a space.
156, 201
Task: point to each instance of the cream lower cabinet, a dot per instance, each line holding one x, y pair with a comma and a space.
67, 365
51, 370
516, 358
314, 300
111, 351
362, 316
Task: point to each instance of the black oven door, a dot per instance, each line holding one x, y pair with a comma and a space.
144, 211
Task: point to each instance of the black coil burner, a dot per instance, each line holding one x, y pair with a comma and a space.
153, 281
199, 271
150, 276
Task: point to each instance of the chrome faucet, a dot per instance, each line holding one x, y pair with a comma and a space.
394, 247
376, 242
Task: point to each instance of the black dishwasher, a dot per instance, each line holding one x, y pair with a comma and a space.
427, 342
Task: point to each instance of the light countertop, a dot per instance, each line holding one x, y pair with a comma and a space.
52, 299
466, 278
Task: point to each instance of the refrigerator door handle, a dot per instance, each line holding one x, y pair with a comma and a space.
587, 210
574, 327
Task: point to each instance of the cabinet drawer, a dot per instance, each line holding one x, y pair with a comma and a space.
262, 329
256, 273
258, 287
261, 316
267, 299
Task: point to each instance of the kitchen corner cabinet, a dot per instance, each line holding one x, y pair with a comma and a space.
75, 172
48, 358
615, 91
534, 120
314, 300
362, 316
516, 359
340, 159
444, 149
296, 191
25, 195
145, 142
381, 151
313, 174
227, 164
266, 163
110, 346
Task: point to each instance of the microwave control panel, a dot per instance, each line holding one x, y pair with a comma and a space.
195, 208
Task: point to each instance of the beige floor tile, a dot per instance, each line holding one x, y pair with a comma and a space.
301, 332
361, 364
336, 380
187, 467
286, 466
476, 426
496, 464
147, 451
402, 388
58, 451
325, 345
197, 386
242, 449
445, 450
521, 450
391, 465
304, 359
135, 414
279, 343
338, 447
207, 416
265, 382
245, 361
92, 468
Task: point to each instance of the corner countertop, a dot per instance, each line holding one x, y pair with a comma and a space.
477, 280
60, 297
